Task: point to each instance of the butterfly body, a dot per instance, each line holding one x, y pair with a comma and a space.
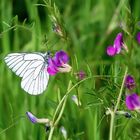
32, 68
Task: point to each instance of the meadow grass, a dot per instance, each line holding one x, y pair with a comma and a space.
91, 25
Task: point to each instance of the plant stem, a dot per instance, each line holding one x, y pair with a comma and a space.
77, 84
62, 103
111, 125
121, 90
51, 133
116, 106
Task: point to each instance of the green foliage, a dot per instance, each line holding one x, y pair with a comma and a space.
84, 28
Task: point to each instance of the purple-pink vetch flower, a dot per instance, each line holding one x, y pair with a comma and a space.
111, 51
129, 82
31, 117
58, 63
80, 75
138, 37
34, 119
117, 46
133, 101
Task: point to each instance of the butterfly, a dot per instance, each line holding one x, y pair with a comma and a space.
32, 68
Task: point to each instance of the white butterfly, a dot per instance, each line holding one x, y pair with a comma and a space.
32, 67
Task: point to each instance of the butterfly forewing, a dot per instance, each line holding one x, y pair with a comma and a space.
32, 68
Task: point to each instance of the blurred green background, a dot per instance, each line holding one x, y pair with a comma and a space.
92, 26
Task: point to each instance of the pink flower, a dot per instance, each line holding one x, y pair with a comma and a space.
34, 119
130, 82
58, 63
111, 51
80, 75
133, 101
117, 46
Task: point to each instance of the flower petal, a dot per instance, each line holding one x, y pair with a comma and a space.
111, 51
64, 68
32, 118
52, 68
118, 42
132, 101
129, 82
58, 63
61, 58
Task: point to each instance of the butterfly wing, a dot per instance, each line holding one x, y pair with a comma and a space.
32, 68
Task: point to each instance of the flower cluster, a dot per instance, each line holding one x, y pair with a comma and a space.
132, 100
58, 63
116, 48
118, 45
129, 82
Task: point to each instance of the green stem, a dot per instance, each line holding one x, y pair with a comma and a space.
54, 123
67, 93
111, 126
121, 90
77, 84
116, 106
51, 133
61, 112
62, 104
57, 120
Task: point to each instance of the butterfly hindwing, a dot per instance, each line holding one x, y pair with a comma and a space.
32, 68
33, 80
